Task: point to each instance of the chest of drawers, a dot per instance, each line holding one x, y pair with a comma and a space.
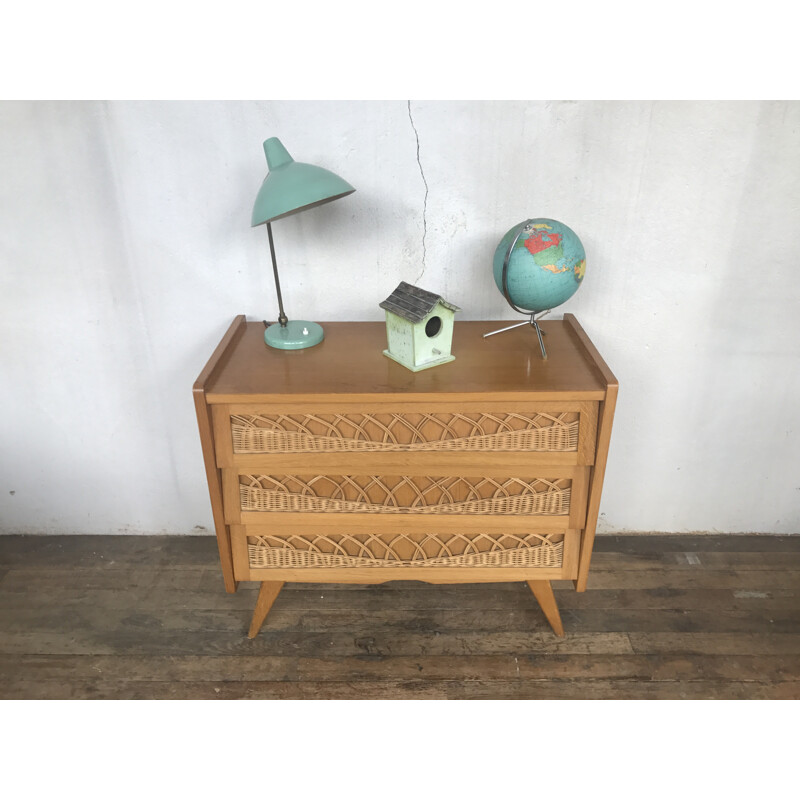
336, 464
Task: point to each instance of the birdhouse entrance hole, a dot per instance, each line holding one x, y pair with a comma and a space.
433, 326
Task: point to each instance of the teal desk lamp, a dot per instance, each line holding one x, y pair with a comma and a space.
291, 186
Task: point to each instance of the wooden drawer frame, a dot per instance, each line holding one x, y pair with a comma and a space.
243, 571
323, 462
575, 519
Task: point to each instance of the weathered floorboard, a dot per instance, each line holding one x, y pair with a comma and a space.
419, 689
531, 667
697, 542
378, 641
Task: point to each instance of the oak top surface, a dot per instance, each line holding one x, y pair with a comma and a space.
350, 361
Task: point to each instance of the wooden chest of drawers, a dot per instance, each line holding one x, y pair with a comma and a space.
336, 464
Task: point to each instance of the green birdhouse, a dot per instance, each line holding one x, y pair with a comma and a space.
419, 327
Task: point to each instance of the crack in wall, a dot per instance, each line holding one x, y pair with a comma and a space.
425, 201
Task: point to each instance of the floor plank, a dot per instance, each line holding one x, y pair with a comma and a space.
377, 640
538, 666
731, 644
399, 690
697, 560
704, 542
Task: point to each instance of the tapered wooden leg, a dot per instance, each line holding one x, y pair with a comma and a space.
543, 592
266, 597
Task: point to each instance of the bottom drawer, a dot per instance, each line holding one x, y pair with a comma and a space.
261, 553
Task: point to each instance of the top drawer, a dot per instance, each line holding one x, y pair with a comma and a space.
563, 434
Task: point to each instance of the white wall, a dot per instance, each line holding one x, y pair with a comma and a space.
126, 250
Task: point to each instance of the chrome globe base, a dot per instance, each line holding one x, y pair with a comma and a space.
534, 322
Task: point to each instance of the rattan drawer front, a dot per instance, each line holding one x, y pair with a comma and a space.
428, 550
381, 494
566, 431
405, 432
403, 550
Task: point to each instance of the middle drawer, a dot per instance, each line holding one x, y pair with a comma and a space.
559, 495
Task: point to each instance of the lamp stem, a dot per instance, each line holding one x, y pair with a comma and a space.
283, 319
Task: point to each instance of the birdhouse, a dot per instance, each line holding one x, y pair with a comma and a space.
419, 327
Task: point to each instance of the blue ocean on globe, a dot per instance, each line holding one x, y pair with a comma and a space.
546, 266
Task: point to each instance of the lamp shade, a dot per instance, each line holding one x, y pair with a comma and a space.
291, 186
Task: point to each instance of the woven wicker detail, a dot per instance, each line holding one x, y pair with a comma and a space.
373, 494
403, 550
321, 433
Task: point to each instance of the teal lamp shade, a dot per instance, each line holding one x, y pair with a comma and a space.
291, 186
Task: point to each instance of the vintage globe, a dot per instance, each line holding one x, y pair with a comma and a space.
546, 264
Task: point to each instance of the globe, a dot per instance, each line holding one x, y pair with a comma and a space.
545, 267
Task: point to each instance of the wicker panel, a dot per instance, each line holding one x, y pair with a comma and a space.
403, 494
322, 433
406, 550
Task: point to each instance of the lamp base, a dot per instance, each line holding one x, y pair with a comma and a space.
297, 334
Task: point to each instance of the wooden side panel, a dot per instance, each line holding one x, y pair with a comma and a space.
606, 419
592, 354
215, 491
596, 486
205, 426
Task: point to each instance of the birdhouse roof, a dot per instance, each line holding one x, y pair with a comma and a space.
413, 303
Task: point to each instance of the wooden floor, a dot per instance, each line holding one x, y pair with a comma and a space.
132, 617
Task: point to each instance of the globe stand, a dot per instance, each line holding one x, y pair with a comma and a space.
532, 321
